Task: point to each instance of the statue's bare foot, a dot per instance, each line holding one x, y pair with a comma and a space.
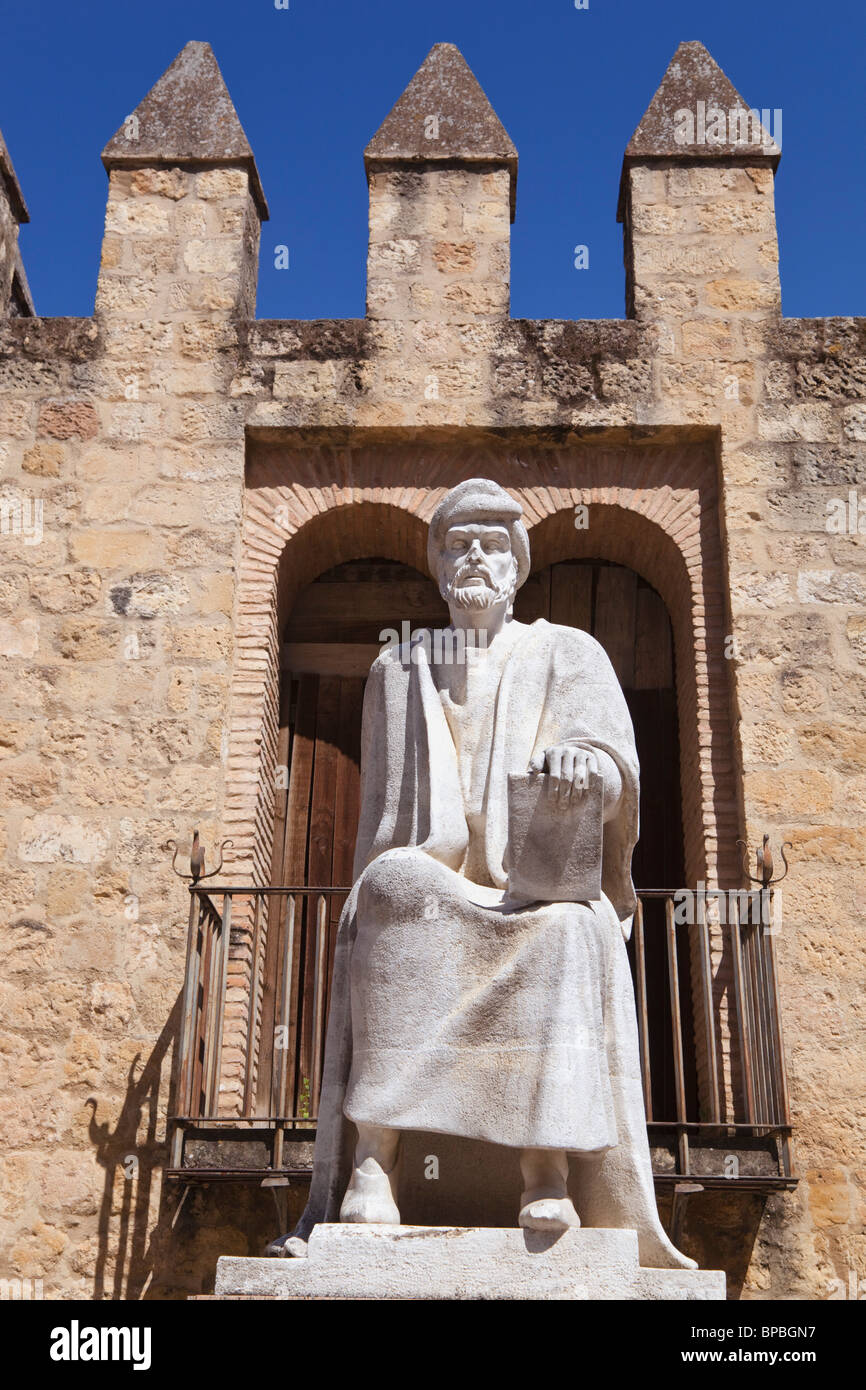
541, 1212
545, 1204
369, 1196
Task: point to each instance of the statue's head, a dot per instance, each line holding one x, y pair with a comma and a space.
477, 546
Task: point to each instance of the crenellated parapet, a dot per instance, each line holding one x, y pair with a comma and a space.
696, 203
442, 173
185, 202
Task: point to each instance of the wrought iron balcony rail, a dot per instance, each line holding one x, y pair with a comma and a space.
251, 1053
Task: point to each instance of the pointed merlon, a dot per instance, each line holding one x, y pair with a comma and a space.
11, 186
186, 118
698, 114
15, 296
674, 115
443, 115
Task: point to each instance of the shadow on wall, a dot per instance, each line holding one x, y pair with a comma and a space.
719, 1231
174, 1255
124, 1264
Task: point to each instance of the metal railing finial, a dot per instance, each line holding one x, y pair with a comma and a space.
196, 859
764, 860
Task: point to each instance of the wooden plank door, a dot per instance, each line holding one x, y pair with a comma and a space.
631, 622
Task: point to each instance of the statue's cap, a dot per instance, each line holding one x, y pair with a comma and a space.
480, 500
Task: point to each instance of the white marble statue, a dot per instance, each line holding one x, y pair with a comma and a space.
456, 1007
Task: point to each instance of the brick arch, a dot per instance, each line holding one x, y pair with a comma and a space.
654, 509
668, 534
348, 532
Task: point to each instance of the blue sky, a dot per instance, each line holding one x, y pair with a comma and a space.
312, 83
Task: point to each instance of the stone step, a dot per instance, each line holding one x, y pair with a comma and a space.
463, 1262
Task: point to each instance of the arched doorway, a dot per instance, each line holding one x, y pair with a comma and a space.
332, 637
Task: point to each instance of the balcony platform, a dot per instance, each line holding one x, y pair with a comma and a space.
463, 1262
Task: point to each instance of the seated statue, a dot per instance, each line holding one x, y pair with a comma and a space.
457, 1006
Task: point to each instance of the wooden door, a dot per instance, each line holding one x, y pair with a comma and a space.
331, 640
631, 622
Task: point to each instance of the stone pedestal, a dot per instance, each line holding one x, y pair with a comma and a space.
463, 1262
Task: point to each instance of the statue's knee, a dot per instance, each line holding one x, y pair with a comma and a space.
394, 873
589, 926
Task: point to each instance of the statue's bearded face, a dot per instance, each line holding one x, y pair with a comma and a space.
477, 568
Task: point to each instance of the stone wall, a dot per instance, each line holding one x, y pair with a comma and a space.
193, 464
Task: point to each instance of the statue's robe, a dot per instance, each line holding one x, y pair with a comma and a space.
453, 1010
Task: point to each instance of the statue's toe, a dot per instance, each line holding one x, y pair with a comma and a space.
287, 1247
549, 1214
369, 1197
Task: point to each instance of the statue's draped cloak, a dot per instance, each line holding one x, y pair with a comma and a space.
564, 965
558, 686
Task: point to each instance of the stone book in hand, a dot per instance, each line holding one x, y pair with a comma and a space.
554, 841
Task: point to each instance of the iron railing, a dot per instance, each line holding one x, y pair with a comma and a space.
255, 1007
717, 1080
